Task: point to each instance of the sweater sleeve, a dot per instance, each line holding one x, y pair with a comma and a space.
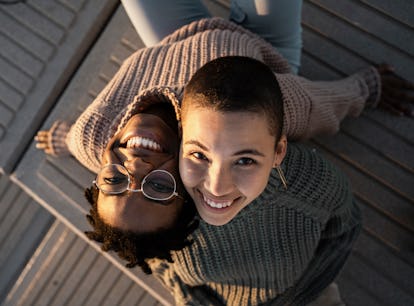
87, 137
335, 246
183, 294
313, 108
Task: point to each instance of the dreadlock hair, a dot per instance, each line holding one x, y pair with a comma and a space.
136, 248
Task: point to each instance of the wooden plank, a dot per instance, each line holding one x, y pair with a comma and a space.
67, 271
392, 144
55, 11
20, 244
369, 161
106, 281
73, 282
16, 78
341, 61
48, 263
353, 294
8, 197
372, 49
402, 126
117, 292
37, 266
361, 272
88, 284
147, 300
14, 230
398, 9
61, 265
25, 38
132, 296
38, 23
75, 5
387, 261
372, 22
20, 57
59, 49
381, 208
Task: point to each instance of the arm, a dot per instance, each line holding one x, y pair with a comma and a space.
87, 137
312, 108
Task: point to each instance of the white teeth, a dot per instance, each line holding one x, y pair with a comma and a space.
217, 204
144, 143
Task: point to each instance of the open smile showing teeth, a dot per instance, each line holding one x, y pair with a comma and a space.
143, 143
214, 204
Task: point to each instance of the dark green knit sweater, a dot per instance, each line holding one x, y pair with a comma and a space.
282, 249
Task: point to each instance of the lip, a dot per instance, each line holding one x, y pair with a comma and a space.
216, 209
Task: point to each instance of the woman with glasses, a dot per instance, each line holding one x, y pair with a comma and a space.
129, 135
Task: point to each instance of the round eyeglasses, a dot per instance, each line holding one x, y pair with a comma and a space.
157, 185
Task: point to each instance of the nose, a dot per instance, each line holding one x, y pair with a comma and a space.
138, 166
138, 169
219, 181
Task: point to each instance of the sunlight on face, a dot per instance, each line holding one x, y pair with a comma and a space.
145, 144
225, 160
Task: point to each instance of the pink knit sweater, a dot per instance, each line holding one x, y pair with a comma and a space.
159, 73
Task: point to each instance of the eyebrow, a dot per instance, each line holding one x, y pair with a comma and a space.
242, 152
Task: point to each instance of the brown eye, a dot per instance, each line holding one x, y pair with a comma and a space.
246, 161
199, 155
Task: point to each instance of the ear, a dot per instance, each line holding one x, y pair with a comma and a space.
280, 151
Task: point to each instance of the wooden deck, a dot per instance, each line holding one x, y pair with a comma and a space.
55, 56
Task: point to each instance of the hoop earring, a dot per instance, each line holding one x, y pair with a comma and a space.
282, 176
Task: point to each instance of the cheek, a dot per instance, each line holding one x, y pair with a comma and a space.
191, 173
252, 184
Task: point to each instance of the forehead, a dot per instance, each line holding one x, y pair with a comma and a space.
192, 108
135, 213
227, 130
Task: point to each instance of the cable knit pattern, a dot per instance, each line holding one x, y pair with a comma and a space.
311, 107
282, 249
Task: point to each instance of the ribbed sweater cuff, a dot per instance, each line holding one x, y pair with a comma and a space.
57, 139
373, 80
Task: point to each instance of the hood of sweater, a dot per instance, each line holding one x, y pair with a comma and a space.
141, 102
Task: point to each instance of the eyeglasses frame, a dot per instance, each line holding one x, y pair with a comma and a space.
142, 184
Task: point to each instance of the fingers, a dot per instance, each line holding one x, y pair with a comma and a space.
42, 136
395, 80
385, 68
394, 93
42, 141
396, 107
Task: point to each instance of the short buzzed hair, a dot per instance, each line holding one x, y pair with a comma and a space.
237, 84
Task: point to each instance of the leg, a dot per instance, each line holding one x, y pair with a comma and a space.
277, 21
154, 19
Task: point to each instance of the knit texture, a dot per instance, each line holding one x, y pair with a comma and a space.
282, 249
311, 107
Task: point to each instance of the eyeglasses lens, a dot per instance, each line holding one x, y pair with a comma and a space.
159, 185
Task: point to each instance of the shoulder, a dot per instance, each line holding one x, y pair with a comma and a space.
314, 182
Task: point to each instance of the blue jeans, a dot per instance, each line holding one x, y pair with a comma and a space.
277, 21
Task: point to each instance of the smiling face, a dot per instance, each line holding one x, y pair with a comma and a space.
226, 159
146, 143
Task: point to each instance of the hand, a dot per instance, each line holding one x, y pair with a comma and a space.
397, 94
42, 141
